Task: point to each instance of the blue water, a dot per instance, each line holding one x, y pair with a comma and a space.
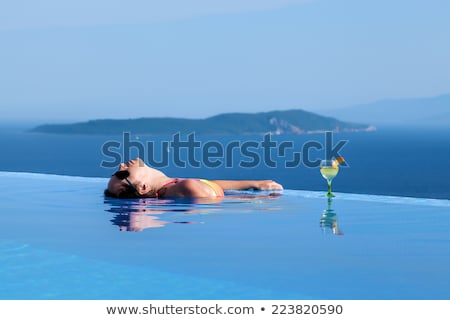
385, 235
407, 162
61, 239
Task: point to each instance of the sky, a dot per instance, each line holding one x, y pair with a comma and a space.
74, 60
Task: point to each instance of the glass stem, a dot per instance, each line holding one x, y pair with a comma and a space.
329, 188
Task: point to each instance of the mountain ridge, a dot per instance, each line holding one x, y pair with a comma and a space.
426, 111
293, 121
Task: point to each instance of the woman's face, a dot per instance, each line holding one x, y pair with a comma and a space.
137, 172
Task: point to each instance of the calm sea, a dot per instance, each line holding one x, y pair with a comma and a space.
406, 162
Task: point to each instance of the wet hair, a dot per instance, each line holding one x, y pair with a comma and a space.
128, 193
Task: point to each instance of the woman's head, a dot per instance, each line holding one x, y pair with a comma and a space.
134, 179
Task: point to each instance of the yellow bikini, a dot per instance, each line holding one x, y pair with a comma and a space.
217, 189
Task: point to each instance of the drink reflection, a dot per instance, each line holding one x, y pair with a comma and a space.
329, 220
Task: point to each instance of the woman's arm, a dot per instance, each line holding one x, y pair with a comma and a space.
193, 188
248, 184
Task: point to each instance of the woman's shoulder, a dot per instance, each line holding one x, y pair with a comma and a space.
188, 188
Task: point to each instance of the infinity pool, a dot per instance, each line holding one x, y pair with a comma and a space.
61, 239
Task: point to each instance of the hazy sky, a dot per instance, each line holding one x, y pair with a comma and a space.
83, 59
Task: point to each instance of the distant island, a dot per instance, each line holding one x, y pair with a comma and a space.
414, 112
275, 122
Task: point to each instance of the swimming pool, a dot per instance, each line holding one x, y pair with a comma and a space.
61, 239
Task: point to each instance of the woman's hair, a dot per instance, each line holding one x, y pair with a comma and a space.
129, 192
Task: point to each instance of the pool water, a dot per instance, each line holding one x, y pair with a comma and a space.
62, 239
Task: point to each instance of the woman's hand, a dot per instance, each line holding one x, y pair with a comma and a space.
267, 185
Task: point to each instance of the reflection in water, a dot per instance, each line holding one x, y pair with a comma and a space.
139, 214
144, 213
329, 220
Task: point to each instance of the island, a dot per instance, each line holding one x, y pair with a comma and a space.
294, 121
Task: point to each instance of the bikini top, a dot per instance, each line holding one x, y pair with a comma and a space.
217, 189
173, 181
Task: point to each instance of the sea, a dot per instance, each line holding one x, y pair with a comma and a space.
410, 162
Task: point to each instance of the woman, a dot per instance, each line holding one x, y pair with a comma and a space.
135, 179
